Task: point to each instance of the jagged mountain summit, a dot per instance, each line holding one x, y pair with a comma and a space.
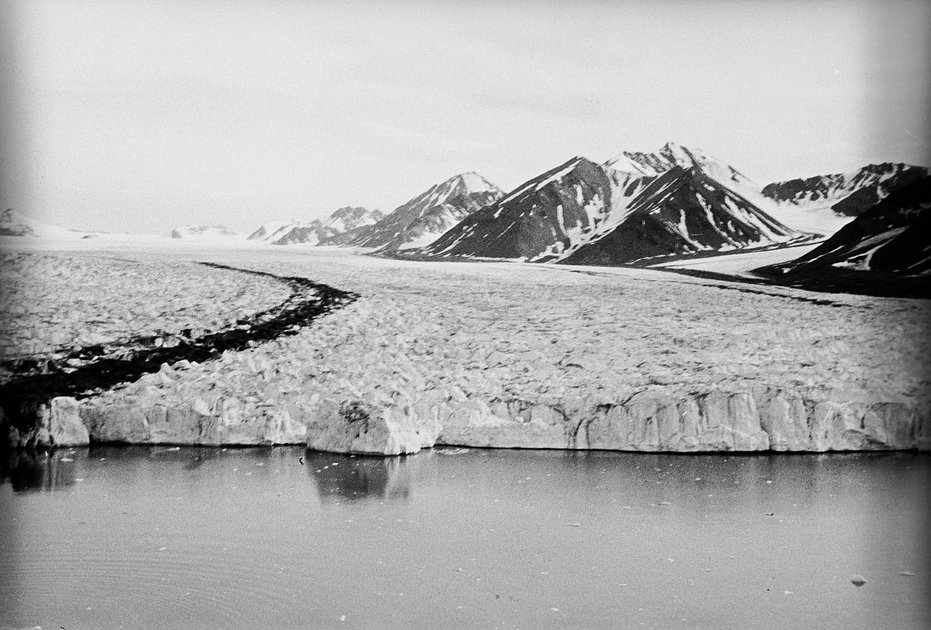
345, 220
204, 232
684, 210
892, 236
636, 206
673, 155
427, 216
825, 203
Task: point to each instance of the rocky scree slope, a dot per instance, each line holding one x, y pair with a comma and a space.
424, 218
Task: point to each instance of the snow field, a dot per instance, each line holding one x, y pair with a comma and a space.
55, 302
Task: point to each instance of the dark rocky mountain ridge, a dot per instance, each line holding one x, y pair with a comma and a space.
894, 236
683, 211
531, 220
846, 193
635, 206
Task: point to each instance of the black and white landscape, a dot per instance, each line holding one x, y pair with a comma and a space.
465, 315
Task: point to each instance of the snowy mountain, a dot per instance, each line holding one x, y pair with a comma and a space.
825, 203
309, 233
13, 223
635, 206
424, 218
672, 155
351, 218
319, 231
205, 232
272, 230
894, 236
540, 217
683, 211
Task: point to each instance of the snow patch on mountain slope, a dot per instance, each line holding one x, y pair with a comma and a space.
860, 258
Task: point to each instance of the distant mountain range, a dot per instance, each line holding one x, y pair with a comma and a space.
345, 220
636, 208
204, 232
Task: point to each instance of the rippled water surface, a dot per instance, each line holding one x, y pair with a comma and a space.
179, 538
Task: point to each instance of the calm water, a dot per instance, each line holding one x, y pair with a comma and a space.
190, 537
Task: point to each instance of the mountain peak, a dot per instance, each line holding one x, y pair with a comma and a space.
673, 154
425, 217
470, 182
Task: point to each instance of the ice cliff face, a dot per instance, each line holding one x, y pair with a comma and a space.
424, 218
652, 420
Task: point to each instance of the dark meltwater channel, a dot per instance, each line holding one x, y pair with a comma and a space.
182, 538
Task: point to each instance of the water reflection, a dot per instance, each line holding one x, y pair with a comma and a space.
339, 477
37, 470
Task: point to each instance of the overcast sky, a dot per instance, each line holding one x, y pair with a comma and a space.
139, 115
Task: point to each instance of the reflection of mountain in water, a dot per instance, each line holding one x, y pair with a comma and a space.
355, 478
34, 470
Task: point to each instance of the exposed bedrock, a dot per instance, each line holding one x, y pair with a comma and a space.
647, 420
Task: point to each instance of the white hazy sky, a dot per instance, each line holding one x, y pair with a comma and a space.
139, 115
